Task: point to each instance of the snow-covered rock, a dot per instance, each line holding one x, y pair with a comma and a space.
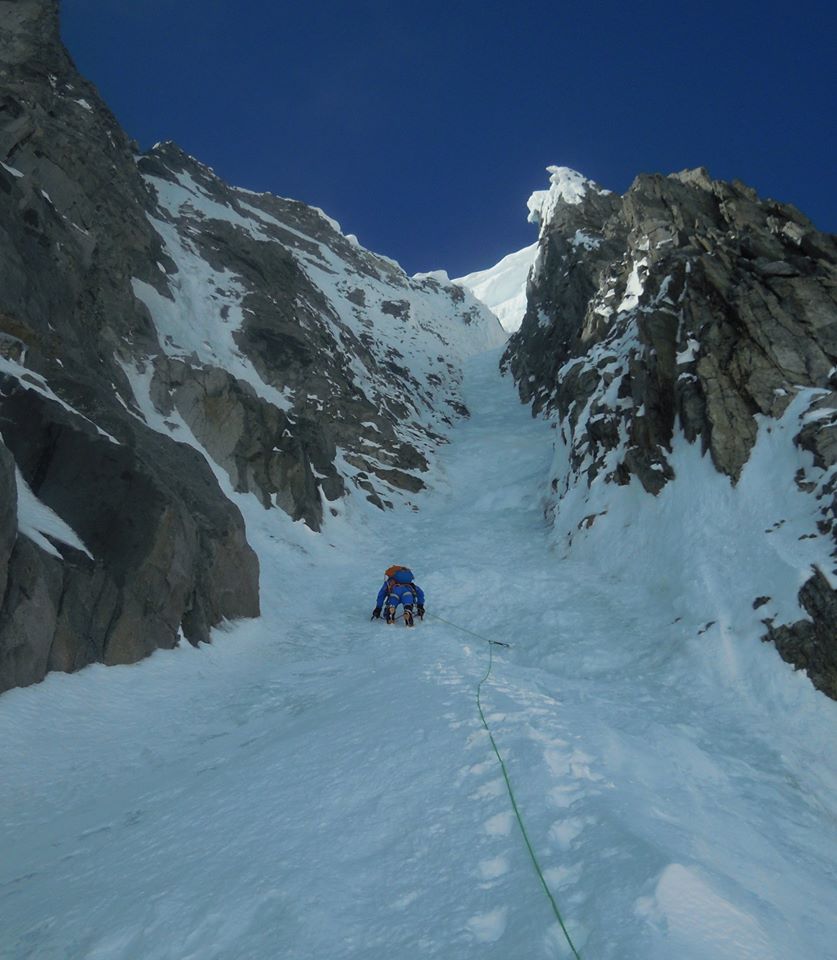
272, 299
566, 186
684, 337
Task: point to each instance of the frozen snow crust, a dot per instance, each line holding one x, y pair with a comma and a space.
316, 785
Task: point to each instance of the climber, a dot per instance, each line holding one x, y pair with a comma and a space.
399, 588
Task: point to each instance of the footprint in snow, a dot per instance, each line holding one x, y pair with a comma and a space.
563, 875
493, 868
494, 788
557, 761
564, 796
564, 832
479, 768
499, 825
403, 902
477, 738
488, 927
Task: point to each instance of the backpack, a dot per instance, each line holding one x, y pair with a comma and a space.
397, 574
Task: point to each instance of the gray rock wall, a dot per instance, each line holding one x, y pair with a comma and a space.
170, 555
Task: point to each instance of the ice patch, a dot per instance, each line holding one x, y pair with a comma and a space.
689, 354
634, 287
585, 240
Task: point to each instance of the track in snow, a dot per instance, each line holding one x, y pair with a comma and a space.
318, 786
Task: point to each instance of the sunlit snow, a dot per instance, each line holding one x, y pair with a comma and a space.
565, 186
502, 288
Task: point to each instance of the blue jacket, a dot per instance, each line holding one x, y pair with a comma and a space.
400, 589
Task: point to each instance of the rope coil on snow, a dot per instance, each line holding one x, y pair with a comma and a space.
528, 842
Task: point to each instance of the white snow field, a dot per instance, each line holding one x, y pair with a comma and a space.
316, 786
502, 288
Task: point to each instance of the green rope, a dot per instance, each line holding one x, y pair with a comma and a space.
529, 847
479, 636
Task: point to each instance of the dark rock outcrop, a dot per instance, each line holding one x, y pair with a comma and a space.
690, 307
8, 513
810, 644
74, 233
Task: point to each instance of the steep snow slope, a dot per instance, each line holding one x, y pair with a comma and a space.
315, 785
502, 288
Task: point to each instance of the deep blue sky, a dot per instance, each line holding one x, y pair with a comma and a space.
424, 126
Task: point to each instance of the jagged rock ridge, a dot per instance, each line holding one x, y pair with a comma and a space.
167, 341
687, 308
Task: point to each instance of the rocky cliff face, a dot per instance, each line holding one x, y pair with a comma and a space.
691, 312
166, 341
303, 364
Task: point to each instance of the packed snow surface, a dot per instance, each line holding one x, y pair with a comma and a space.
502, 288
318, 785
